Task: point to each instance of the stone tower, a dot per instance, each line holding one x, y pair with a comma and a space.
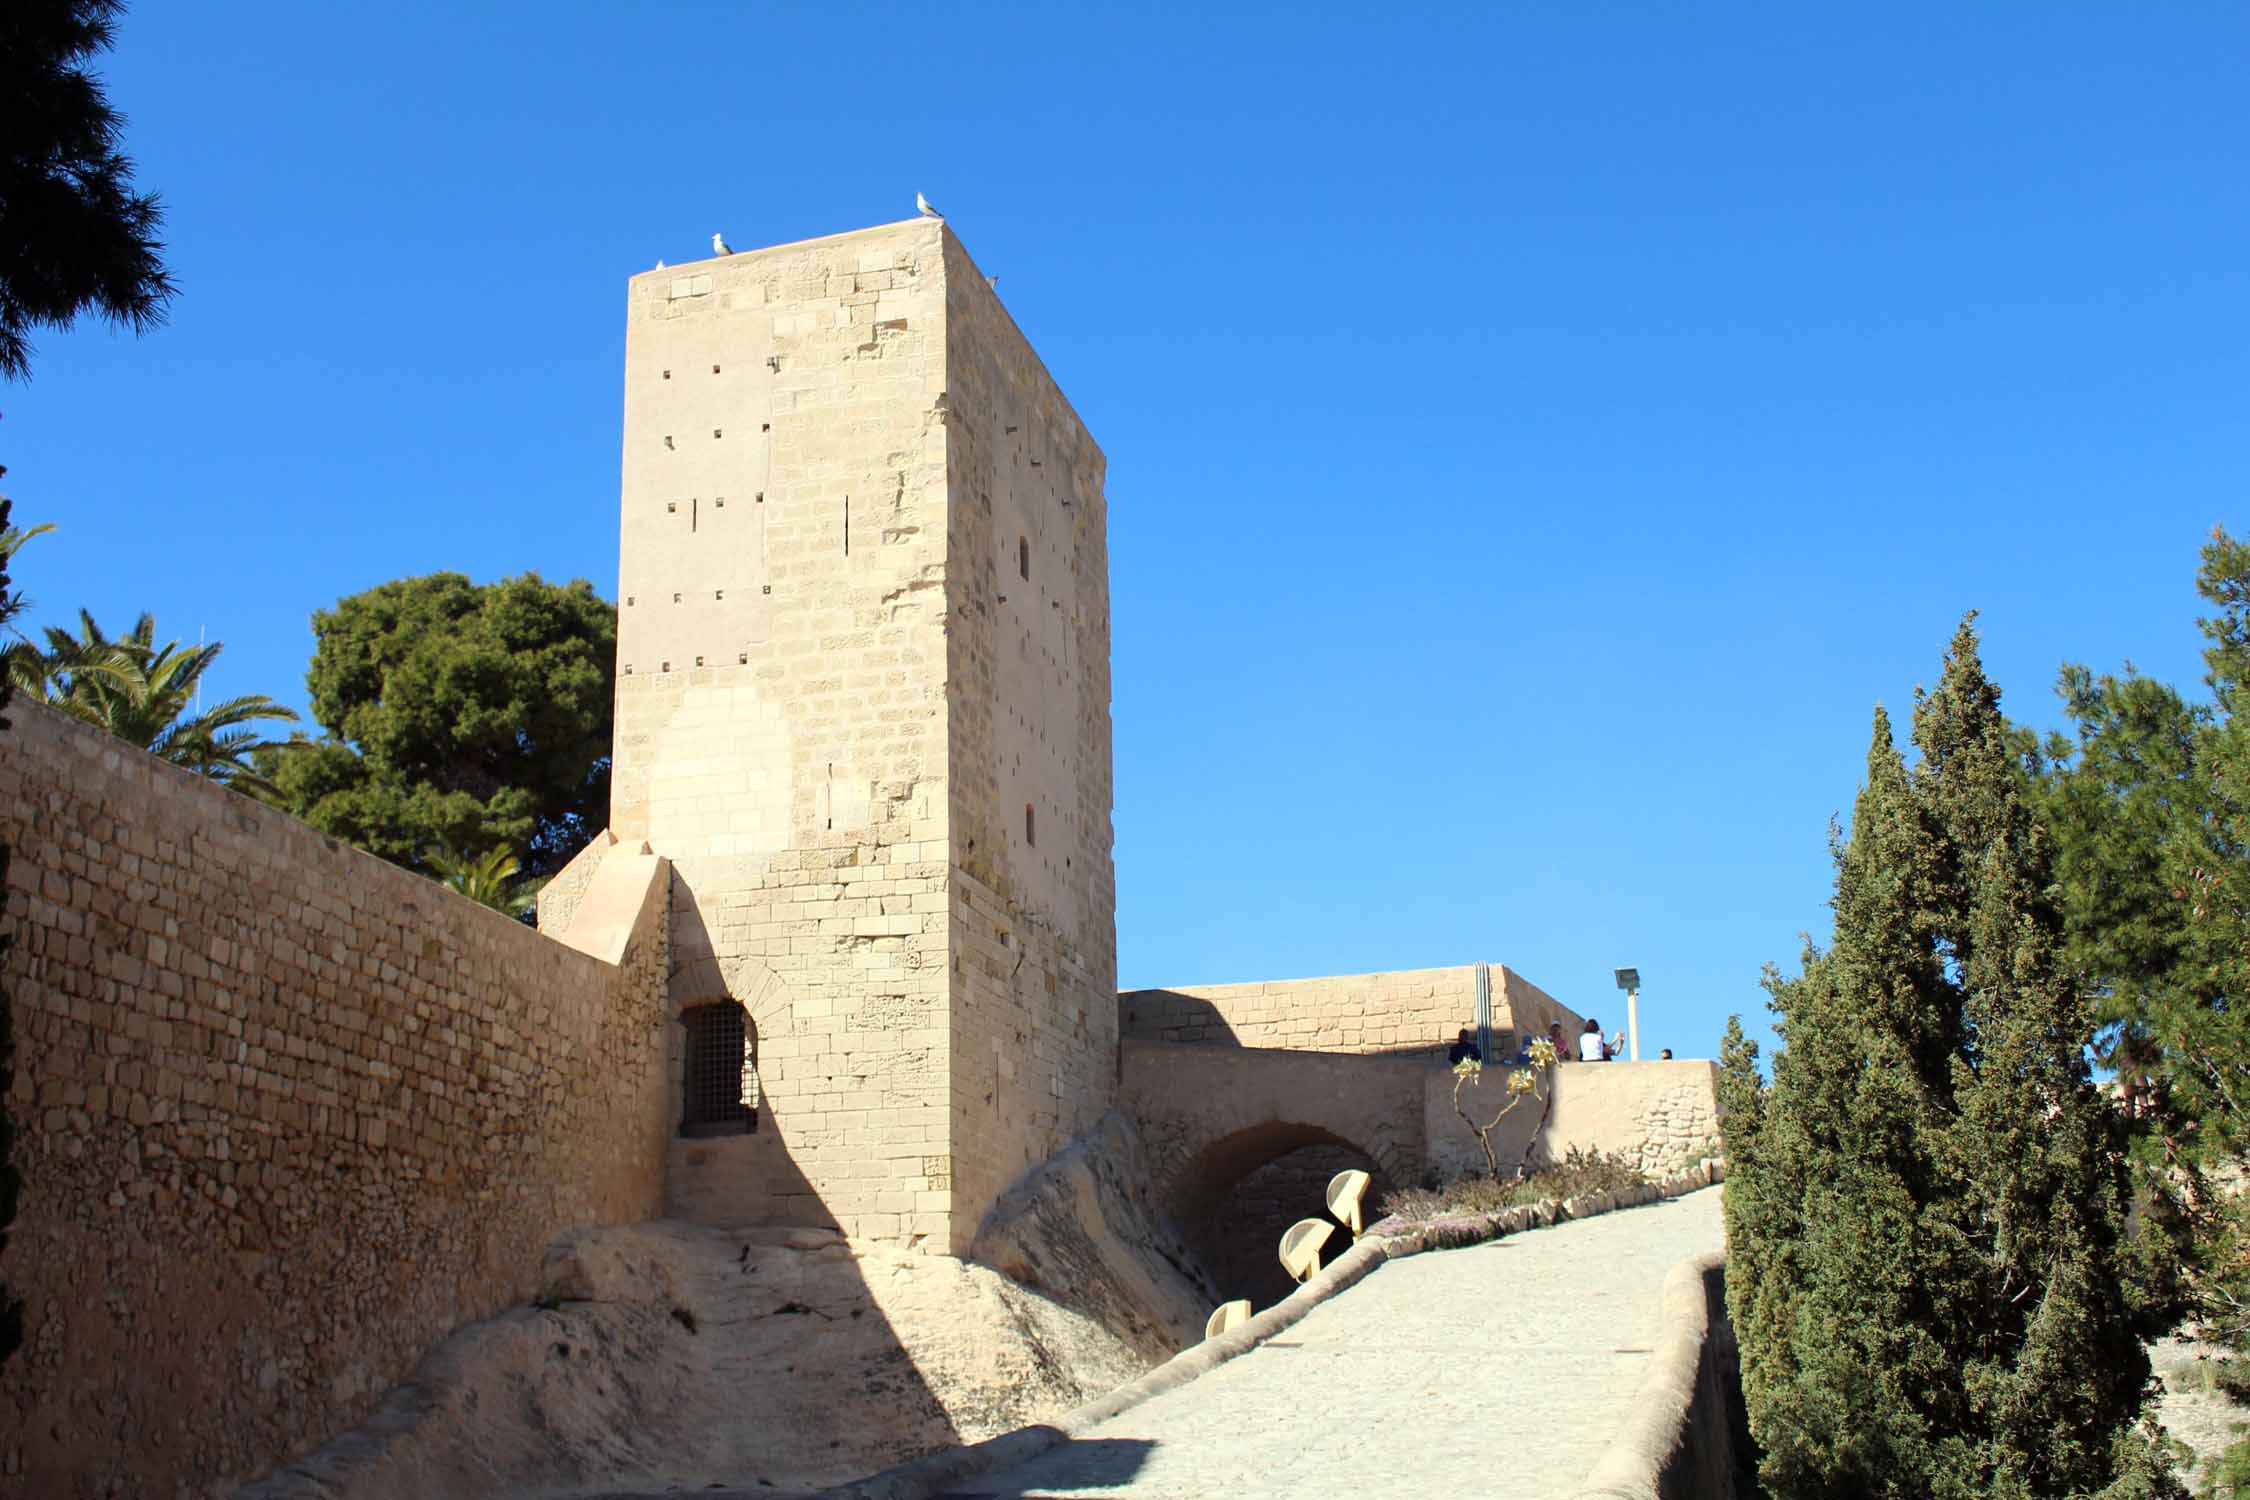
863, 707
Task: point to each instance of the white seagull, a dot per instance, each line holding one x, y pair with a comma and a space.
928, 212
719, 245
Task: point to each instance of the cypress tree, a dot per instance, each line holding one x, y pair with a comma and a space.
1926, 1211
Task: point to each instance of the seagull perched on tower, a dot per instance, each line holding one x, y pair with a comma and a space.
719, 245
928, 210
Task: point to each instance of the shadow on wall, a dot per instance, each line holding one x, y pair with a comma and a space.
729, 1160
1176, 1016
671, 1355
1238, 1195
1261, 1205
1169, 1015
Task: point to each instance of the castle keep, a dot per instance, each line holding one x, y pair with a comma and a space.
846, 956
863, 709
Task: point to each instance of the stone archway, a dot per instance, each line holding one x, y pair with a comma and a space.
1235, 1199
1212, 1118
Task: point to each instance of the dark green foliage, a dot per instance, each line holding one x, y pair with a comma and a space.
149, 696
74, 236
11, 1180
1926, 1211
2150, 803
459, 717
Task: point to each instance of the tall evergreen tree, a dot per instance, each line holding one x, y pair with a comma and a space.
1926, 1211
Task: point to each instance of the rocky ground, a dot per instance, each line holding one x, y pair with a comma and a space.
666, 1357
2193, 1409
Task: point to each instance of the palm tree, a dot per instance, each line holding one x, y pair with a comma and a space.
12, 539
146, 694
488, 879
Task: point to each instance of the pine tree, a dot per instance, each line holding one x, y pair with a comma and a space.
1926, 1210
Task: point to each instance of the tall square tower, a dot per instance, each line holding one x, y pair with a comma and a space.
863, 707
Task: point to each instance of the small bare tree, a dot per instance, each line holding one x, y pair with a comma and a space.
1523, 1083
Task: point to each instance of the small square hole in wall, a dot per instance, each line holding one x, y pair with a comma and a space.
759, 498
628, 598
628, 669
715, 432
675, 598
765, 426
699, 661
667, 374
765, 588
742, 658
720, 503
670, 506
666, 667
718, 593
714, 369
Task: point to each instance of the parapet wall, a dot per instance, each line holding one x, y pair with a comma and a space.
289, 1114
1659, 1116
1688, 1435
1409, 1010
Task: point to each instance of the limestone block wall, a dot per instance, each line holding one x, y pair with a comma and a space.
1409, 1010
1661, 1116
781, 707
290, 1114
1033, 911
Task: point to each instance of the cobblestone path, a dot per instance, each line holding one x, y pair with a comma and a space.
1493, 1371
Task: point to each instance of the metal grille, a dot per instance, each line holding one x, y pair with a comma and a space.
718, 1094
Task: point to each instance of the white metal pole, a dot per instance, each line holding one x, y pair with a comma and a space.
1633, 1024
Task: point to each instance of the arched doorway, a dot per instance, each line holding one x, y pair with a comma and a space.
1238, 1195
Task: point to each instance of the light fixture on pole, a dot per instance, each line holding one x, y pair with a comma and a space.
1629, 980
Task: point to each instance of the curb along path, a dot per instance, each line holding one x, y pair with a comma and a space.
1502, 1369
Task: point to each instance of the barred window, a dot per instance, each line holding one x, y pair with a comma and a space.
719, 1080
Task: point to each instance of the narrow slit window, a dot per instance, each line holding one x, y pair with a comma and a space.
1023, 557
1030, 825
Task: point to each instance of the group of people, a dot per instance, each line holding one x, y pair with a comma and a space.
1592, 1046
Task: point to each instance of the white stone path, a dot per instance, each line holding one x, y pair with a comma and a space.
1493, 1371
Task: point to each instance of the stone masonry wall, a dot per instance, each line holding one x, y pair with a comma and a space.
781, 707
290, 1115
1660, 1116
1409, 1010
1034, 934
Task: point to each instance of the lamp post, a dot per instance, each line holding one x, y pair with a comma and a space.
1629, 980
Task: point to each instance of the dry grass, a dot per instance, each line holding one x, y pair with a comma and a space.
1577, 1173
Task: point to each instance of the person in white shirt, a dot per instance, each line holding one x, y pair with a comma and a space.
1592, 1047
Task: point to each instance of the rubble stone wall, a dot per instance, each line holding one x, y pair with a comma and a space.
289, 1115
1660, 1116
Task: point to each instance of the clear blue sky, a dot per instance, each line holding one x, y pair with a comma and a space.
1538, 437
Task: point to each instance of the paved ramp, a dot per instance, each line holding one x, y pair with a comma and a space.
1493, 1371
